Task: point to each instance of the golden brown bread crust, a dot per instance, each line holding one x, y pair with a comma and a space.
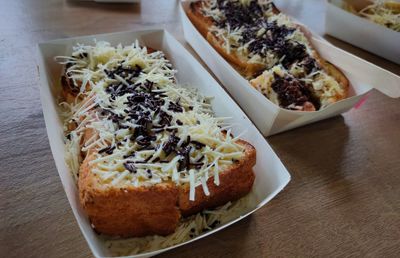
141, 211
235, 182
201, 22
128, 211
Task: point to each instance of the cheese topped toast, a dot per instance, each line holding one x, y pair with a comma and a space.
145, 150
271, 51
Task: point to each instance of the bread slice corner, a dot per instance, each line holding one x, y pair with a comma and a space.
128, 211
235, 181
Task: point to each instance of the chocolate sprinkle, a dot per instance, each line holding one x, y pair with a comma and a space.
215, 224
145, 116
198, 145
130, 167
108, 150
184, 162
171, 144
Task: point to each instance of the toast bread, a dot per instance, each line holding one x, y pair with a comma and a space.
133, 195
253, 70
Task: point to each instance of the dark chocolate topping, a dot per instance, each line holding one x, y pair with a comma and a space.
266, 36
144, 109
236, 14
252, 19
293, 91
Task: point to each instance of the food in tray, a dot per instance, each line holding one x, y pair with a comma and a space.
386, 13
148, 154
271, 51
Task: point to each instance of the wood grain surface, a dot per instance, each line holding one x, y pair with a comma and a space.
343, 200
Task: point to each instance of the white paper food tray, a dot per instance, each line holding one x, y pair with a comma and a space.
271, 175
270, 118
361, 32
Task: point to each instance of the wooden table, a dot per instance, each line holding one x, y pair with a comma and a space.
343, 200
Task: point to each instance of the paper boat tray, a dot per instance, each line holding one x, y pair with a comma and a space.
271, 175
362, 32
270, 118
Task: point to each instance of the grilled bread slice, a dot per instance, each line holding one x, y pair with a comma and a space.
148, 151
253, 70
141, 211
